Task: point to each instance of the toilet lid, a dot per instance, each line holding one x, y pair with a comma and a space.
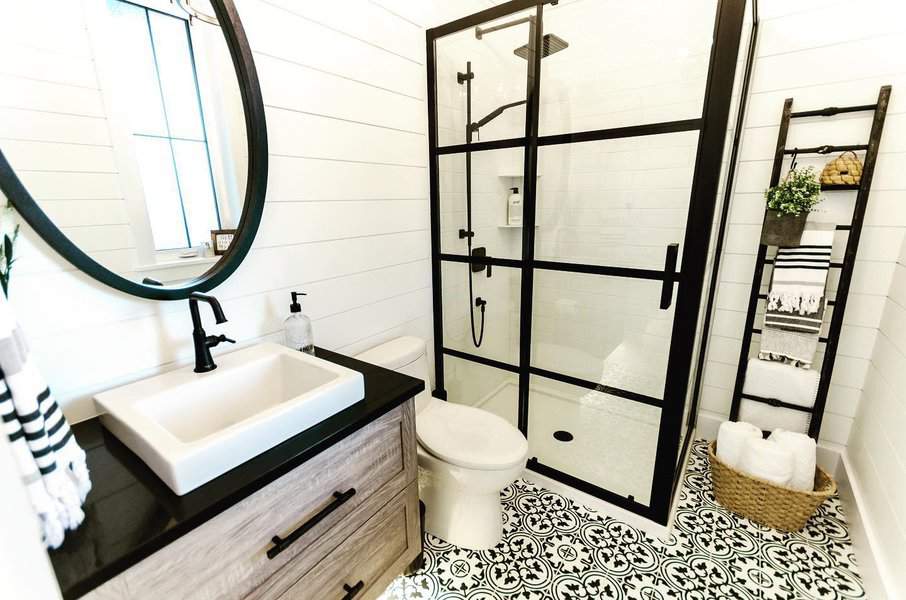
470, 437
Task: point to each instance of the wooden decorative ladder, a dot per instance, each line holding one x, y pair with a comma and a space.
854, 229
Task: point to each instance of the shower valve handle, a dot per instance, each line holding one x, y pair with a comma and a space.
463, 233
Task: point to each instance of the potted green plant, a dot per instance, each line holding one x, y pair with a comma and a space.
9, 232
788, 205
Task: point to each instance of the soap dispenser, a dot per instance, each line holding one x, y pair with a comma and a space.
514, 208
297, 327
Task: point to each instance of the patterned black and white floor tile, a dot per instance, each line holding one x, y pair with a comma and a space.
553, 548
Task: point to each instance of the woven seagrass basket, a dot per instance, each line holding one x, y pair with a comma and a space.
772, 505
846, 169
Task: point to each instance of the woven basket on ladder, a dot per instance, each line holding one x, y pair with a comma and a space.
846, 169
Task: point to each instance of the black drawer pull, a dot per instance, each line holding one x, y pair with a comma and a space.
352, 591
281, 544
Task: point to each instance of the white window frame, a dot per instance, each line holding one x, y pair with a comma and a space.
219, 134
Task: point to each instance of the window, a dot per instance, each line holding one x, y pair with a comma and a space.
156, 68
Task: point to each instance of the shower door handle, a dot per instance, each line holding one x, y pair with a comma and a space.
669, 276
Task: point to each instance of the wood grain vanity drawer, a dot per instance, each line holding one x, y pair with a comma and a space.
365, 563
227, 557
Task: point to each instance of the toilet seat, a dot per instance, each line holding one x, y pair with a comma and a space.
470, 437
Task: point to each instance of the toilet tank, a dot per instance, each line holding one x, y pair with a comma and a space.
406, 355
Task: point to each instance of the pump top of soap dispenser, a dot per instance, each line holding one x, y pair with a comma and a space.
515, 190
295, 306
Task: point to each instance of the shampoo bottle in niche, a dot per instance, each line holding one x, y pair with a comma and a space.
297, 327
514, 208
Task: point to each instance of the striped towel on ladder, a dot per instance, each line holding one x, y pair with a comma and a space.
50, 461
796, 302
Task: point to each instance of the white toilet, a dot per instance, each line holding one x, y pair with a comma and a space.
465, 455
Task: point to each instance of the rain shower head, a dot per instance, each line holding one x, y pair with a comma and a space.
549, 45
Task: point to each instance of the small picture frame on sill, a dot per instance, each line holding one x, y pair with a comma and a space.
221, 240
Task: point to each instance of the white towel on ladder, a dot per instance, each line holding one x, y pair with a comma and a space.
789, 384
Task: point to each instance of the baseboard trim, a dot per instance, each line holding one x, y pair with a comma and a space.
874, 569
834, 459
707, 423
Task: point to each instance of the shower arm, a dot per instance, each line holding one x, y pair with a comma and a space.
480, 31
493, 115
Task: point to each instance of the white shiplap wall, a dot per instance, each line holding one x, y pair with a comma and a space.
807, 52
877, 446
346, 217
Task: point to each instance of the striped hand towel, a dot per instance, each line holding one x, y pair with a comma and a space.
795, 307
51, 462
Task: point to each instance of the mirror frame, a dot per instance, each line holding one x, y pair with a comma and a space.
256, 185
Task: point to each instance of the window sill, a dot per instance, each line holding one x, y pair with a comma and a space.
177, 263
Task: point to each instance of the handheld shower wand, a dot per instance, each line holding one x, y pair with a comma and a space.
467, 233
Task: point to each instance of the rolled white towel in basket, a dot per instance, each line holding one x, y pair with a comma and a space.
731, 438
804, 450
768, 460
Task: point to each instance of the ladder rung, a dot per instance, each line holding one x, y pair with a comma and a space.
835, 187
765, 297
827, 149
776, 402
833, 265
833, 110
757, 331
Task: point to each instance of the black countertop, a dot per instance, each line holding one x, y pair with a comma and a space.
130, 513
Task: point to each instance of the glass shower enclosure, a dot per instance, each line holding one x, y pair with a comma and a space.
575, 159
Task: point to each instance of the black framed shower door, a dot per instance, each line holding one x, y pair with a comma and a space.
675, 284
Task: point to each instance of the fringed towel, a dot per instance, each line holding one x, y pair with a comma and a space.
795, 307
51, 462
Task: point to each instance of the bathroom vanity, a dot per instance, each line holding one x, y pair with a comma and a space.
331, 513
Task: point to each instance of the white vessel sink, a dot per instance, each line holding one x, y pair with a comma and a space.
190, 427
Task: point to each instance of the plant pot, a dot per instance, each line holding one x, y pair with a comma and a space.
782, 230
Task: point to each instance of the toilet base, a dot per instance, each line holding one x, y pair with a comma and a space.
463, 506
473, 521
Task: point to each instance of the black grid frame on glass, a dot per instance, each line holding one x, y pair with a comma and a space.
692, 413
685, 285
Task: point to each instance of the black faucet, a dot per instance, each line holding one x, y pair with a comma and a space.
204, 362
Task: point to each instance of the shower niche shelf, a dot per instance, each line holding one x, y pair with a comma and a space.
514, 175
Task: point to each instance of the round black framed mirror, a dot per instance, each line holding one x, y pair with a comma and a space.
170, 201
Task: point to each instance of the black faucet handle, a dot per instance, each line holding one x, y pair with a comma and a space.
214, 340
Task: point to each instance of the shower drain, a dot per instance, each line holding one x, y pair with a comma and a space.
563, 436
